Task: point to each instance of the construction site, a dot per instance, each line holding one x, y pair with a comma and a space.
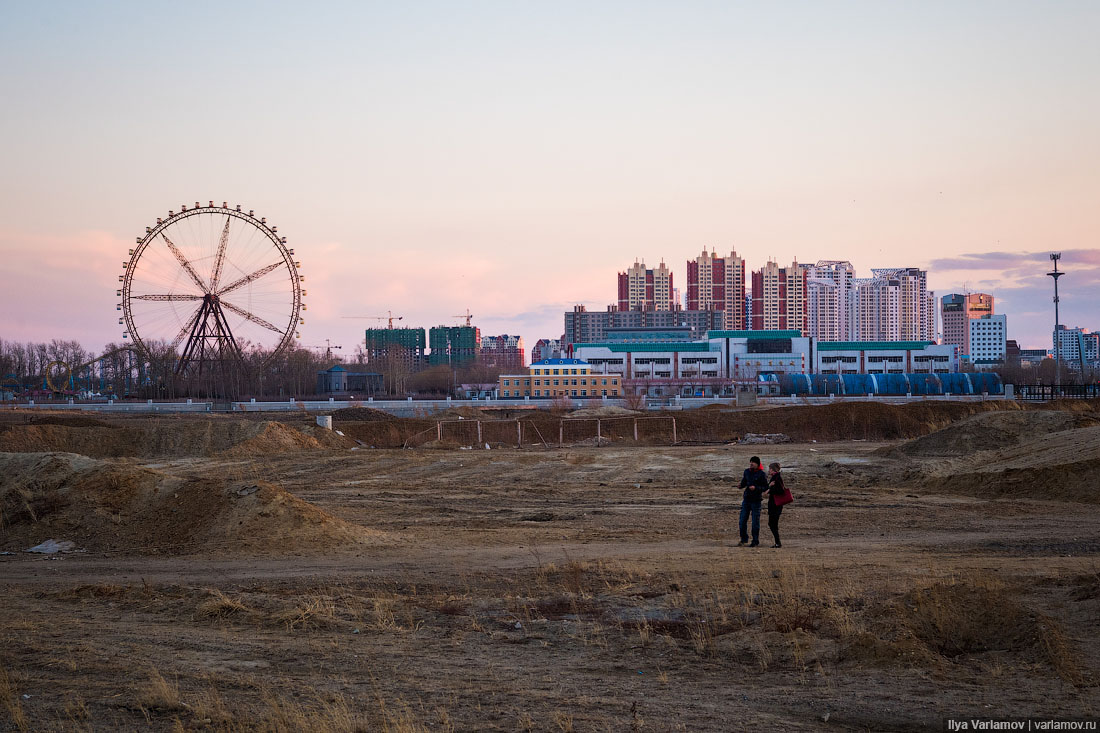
504, 570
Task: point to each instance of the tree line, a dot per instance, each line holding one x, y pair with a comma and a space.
121, 371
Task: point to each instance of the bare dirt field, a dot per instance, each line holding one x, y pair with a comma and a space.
242, 573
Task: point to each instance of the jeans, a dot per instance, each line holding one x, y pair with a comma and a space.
746, 508
773, 520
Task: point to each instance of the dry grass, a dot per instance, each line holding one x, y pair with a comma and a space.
159, 695
313, 612
9, 699
219, 606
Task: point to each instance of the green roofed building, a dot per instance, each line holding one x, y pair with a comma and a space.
405, 344
454, 345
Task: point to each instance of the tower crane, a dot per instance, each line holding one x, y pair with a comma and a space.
467, 315
390, 317
328, 347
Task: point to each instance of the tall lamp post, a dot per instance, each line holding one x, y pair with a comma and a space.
1055, 256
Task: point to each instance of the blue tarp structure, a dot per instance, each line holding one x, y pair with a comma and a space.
887, 384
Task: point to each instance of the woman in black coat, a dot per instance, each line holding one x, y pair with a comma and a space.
775, 487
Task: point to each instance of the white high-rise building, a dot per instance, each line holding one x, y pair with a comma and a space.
1077, 344
829, 292
824, 310
893, 305
988, 339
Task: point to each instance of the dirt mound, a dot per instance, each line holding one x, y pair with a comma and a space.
117, 506
993, 430
72, 422
1055, 466
608, 411
361, 414
170, 438
857, 420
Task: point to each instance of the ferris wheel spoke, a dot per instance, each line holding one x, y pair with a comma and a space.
190, 324
249, 278
254, 318
220, 258
165, 297
184, 262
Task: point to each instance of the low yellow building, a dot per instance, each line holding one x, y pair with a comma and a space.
560, 378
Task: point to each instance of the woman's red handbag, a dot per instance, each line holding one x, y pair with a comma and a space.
785, 498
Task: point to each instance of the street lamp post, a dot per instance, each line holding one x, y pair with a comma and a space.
1055, 256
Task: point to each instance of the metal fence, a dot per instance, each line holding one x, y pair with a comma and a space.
1044, 392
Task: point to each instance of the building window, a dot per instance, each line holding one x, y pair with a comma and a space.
555, 383
537, 393
584, 393
555, 372
505, 393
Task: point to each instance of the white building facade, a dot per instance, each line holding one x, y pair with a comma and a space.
988, 340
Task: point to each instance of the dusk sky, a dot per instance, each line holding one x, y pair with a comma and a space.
510, 158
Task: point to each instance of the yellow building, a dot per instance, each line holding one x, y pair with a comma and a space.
560, 378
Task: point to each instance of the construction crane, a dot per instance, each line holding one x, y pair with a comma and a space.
328, 347
390, 317
467, 315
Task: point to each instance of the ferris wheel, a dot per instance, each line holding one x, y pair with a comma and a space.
215, 280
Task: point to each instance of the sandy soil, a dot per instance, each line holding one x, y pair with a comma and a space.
561, 589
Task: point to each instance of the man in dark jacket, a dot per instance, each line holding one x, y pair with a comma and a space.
755, 483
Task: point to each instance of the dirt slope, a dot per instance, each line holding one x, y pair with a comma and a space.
1041, 454
113, 505
170, 438
993, 431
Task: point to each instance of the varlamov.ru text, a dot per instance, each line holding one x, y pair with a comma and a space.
1027, 724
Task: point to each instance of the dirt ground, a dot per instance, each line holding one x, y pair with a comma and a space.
263, 576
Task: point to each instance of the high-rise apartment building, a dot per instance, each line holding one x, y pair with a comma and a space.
893, 305
405, 345
503, 352
779, 299
718, 284
454, 345
829, 293
957, 310
647, 289
546, 349
988, 344
1077, 345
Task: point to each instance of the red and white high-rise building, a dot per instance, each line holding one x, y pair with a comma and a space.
779, 300
647, 289
503, 352
718, 284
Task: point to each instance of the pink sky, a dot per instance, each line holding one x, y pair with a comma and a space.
511, 159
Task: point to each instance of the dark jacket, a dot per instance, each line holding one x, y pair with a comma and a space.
755, 483
776, 486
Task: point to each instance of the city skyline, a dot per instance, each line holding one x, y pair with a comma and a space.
952, 138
